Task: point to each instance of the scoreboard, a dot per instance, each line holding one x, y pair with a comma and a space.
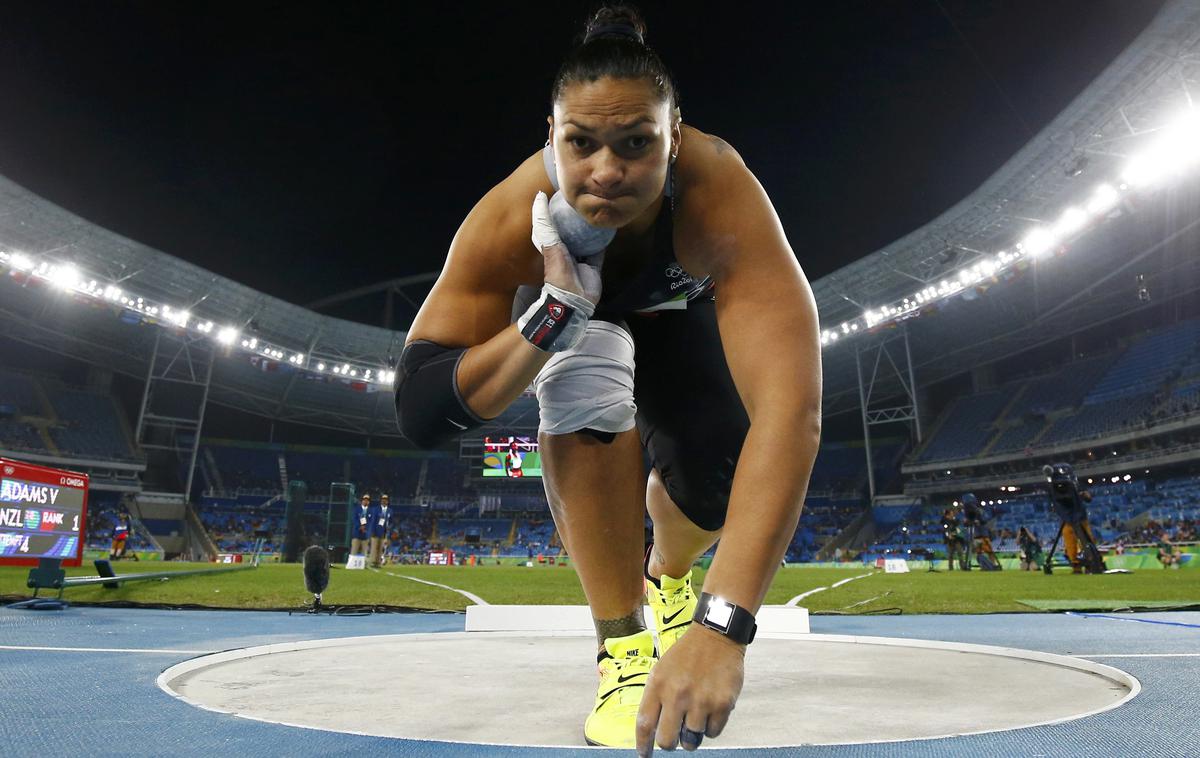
42, 514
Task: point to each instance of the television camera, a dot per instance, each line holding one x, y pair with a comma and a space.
975, 535
1070, 507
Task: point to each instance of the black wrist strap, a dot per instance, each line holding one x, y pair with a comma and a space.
547, 323
720, 615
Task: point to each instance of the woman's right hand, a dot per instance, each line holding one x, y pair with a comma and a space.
559, 266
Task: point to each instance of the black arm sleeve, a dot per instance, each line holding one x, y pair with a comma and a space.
428, 404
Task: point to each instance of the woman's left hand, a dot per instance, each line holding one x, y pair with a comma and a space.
695, 685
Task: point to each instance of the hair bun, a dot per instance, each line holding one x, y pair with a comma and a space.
616, 22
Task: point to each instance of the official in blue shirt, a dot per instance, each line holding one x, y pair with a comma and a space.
381, 526
360, 526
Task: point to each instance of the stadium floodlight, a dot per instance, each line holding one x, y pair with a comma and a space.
1071, 221
1103, 200
1038, 242
1127, 477
227, 336
1173, 151
21, 262
320, 366
65, 277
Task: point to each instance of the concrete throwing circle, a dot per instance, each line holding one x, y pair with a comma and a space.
534, 689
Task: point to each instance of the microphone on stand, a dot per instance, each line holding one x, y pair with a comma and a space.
316, 573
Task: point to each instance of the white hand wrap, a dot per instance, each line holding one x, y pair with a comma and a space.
545, 233
556, 320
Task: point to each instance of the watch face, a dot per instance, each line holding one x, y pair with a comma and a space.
719, 613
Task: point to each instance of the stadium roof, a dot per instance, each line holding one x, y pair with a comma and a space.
1088, 281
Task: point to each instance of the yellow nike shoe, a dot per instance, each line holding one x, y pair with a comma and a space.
673, 603
624, 668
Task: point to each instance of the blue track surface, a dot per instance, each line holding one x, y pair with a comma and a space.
58, 702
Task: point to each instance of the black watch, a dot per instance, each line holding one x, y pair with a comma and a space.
720, 615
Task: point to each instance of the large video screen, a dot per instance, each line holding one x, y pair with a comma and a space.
511, 457
42, 513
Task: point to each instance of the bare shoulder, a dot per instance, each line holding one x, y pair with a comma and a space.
495, 234
490, 256
704, 156
717, 199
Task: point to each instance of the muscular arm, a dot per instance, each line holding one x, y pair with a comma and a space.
768, 323
471, 303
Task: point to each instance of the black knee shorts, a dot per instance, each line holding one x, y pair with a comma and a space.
690, 417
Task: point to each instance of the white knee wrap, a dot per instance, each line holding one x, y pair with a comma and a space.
589, 386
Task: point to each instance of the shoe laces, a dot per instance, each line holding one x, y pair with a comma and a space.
673, 596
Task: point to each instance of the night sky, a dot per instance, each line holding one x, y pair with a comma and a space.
307, 149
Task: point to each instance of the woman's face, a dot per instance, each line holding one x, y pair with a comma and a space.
612, 141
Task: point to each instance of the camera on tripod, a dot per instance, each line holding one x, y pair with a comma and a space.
973, 515
976, 536
956, 545
1069, 506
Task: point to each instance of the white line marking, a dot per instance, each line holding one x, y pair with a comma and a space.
470, 596
794, 601
1137, 655
167, 678
105, 650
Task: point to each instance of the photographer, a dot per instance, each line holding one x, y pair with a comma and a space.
952, 536
1031, 550
1168, 556
1072, 542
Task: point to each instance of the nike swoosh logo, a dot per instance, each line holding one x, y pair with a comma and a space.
673, 628
460, 426
623, 679
672, 617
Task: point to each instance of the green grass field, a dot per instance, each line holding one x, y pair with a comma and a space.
278, 586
